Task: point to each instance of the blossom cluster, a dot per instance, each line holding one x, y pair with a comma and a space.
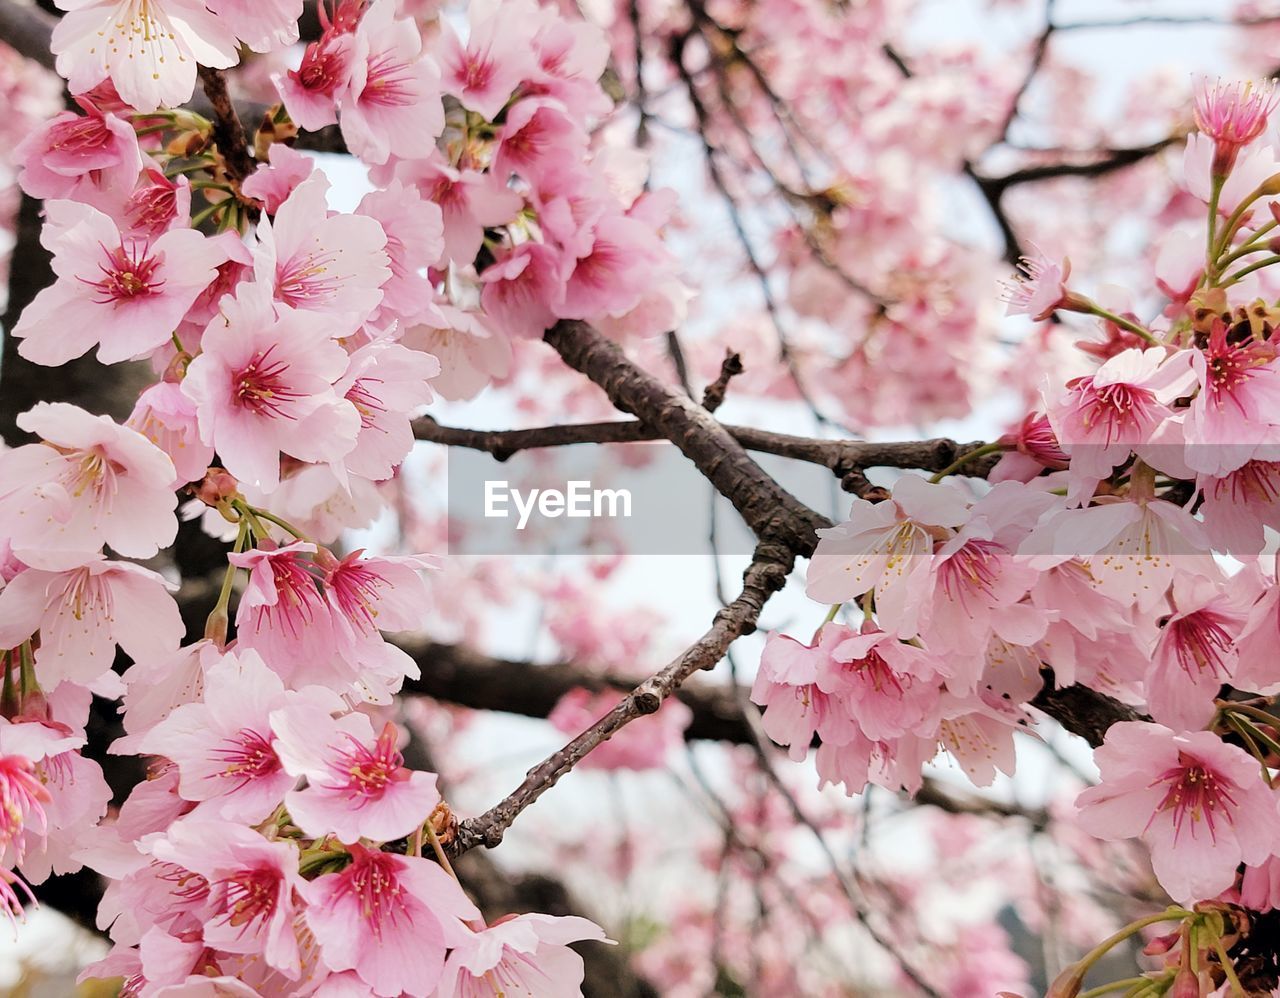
1093, 556
278, 847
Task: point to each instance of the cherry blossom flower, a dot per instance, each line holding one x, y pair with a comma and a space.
415, 241
149, 51
263, 386
1041, 288
273, 181
166, 416
223, 745
390, 919
1239, 505
88, 482
882, 543
253, 887
887, 686
1104, 416
1198, 803
1230, 417
519, 289
799, 686
310, 92
313, 261
387, 384
83, 613
92, 158
525, 954
1196, 652
158, 205
282, 613
1233, 115
392, 103
470, 354
483, 73
357, 786
121, 294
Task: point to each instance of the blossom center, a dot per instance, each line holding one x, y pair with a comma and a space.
249, 756
261, 386
1195, 791
250, 895
128, 272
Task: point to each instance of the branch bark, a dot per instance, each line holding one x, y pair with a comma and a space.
766, 574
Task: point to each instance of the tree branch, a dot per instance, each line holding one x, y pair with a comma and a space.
840, 456
228, 131
766, 574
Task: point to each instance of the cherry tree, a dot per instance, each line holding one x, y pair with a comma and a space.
272, 262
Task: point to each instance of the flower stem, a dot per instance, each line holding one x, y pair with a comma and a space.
1246, 271
1228, 967
1124, 323
964, 459
215, 627
285, 524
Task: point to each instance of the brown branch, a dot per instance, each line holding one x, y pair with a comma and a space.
1099, 164
769, 510
840, 456
730, 368
228, 132
766, 574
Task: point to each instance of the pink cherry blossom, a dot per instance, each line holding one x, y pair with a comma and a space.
1199, 804
1238, 506
272, 182
1233, 115
390, 919
83, 613
1230, 417
158, 205
318, 262
471, 355
522, 954
88, 482
415, 241
311, 91
121, 294
91, 158
357, 785
1103, 417
469, 202
387, 384
263, 386
368, 594
799, 686
537, 135
392, 103
1196, 652
149, 51
889, 687
1041, 288
612, 276
253, 887
519, 289
881, 543
78, 799
223, 744
166, 416
282, 613
483, 73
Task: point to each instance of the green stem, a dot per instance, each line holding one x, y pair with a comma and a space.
206, 213
964, 459
285, 523
1228, 967
1211, 251
1245, 271
1252, 246
1113, 986
1124, 323
26, 671
215, 626
1245, 730
1172, 914
1254, 712
203, 163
